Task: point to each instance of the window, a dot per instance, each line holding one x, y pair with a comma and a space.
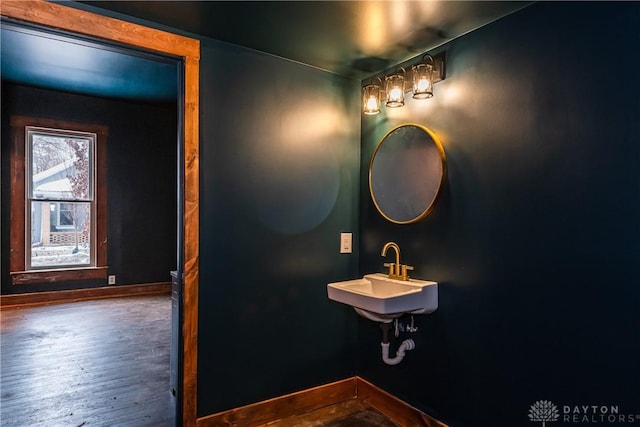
60, 198
58, 194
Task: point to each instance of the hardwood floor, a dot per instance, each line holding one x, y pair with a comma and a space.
90, 363
106, 363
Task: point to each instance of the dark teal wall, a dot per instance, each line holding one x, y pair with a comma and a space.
536, 239
279, 181
141, 181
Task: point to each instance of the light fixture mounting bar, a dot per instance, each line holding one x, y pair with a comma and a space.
439, 70
438, 67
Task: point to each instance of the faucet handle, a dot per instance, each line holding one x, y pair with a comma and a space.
406, 268
392, 268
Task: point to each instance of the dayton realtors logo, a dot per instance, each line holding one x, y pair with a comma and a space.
546, 411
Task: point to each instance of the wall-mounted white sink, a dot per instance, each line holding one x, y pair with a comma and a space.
379, 298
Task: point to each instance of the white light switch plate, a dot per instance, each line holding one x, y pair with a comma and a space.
346, 240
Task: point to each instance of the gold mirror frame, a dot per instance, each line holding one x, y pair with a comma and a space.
437, 180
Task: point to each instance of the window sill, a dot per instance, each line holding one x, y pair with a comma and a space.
53, 276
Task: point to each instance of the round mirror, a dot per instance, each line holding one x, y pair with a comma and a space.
406, 173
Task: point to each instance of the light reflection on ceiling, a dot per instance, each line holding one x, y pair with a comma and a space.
351, 38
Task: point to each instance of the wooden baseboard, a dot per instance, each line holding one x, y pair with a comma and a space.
261, 413
395, 409
42, 298
285, 406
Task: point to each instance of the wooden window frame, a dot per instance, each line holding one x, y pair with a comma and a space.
17, 257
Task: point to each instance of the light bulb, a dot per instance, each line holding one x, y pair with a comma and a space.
423, 84
372, 103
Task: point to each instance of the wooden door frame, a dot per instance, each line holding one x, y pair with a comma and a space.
55, 15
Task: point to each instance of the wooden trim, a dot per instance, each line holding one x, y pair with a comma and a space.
17, 219
394, 408
90, 24
191, 250
52, 297
62, 275
102, 134
261, 413
69, 19
23, 121
281, 407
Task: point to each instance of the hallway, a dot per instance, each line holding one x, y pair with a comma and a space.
98, 363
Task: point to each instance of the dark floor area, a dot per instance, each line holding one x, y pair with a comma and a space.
106, 363
91, 363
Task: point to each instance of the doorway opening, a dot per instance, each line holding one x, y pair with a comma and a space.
139, 38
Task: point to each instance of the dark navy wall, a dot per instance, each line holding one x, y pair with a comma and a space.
279, 182
141, 180
536, 239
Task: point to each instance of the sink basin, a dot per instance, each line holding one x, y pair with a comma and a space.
382, 298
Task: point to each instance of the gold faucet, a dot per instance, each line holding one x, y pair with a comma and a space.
396, 270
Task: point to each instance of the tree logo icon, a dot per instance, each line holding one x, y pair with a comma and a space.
543, 410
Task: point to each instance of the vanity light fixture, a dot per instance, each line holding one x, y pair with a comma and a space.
371, 99
423, 78
394, 88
